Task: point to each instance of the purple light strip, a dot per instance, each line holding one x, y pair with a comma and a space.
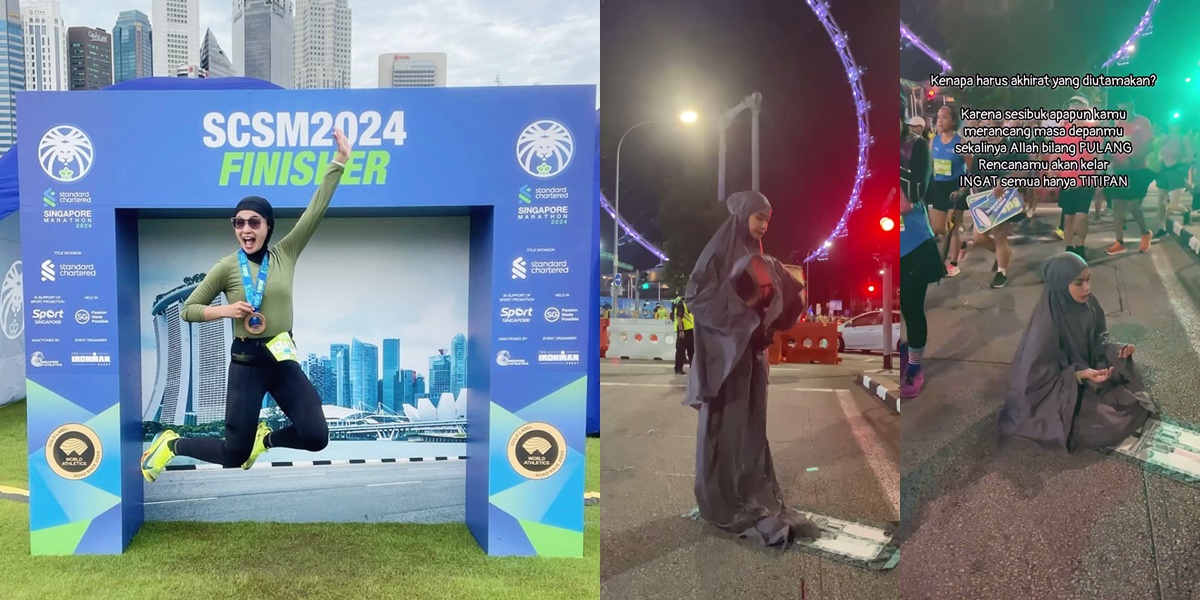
630, 231
1126, 49
854, 75
907, 34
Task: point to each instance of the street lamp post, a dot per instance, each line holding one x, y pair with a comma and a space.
688, 117
753, 103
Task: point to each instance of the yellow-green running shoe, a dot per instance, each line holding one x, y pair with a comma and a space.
260, 445
155, 459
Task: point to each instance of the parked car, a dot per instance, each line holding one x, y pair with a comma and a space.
865, 332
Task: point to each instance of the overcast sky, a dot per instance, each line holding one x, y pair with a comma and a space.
522, 41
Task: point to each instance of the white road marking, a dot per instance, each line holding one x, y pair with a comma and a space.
1184, 313
174, 501
299, 475
886, 473
393, 483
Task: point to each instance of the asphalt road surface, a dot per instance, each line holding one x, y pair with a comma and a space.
403, 492
817, 419
985, 521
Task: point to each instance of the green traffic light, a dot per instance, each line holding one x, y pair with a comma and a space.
1175, 116
1188, 80
645, 286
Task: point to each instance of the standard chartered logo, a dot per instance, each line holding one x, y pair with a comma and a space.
545, 148
50, 272
65, 153
521, 269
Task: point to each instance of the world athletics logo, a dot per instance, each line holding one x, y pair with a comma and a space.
65, 153
545, 149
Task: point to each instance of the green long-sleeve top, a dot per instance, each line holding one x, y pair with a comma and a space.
226, 275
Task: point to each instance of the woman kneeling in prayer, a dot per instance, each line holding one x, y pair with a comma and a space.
1070, 387
739, 298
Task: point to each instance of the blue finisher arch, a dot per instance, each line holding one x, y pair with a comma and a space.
495, 154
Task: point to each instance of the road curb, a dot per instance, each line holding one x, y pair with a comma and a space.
320, 463
1189, 241
882, 388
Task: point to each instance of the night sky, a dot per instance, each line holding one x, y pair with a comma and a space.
660, 57
1068, 37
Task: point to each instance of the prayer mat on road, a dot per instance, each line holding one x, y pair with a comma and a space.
867, 546
1165, 447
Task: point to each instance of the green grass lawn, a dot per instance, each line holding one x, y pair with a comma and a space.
262, 561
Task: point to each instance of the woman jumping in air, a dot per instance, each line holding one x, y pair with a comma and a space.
739, 299
257, 281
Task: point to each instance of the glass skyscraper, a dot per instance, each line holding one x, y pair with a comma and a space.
391, 370
458, 364
439, 375
364, 375
12, 72
263, 40
133, 50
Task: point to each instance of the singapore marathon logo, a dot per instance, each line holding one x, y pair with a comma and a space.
65, 153
545, 149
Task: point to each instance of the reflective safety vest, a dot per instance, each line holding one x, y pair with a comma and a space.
683, 316
662, 314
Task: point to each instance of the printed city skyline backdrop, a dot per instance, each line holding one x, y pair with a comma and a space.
394, 332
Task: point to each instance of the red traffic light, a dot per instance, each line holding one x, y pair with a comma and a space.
870, 288
887, 224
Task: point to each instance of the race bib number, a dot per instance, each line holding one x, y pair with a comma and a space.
283, 348
941, 167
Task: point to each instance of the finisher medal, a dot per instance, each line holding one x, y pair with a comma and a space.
255, 323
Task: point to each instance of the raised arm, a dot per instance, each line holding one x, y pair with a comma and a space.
294, 242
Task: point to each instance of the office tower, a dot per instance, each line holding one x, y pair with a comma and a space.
263, 45
458, 364
89, 58
391, 370
364, 375
176, 35
213, 61
412, 70
439, 374
12, 62
340, 355
408, 387
132, 48
45, 46
322, 44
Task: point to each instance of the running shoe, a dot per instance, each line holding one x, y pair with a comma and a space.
156, 458
911, 386
1079, 251
952, 270
1059, 234
1145, 245
1160, 234
1115, 249
260, 445
999, 280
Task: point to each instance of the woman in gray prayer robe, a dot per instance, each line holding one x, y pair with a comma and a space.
739, 298
1070, 387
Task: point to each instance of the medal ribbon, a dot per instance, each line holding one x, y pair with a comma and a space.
254, 290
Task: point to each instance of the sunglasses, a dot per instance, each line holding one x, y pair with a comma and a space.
239, 223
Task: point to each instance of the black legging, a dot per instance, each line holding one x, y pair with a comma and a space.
248, 383
912, 308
